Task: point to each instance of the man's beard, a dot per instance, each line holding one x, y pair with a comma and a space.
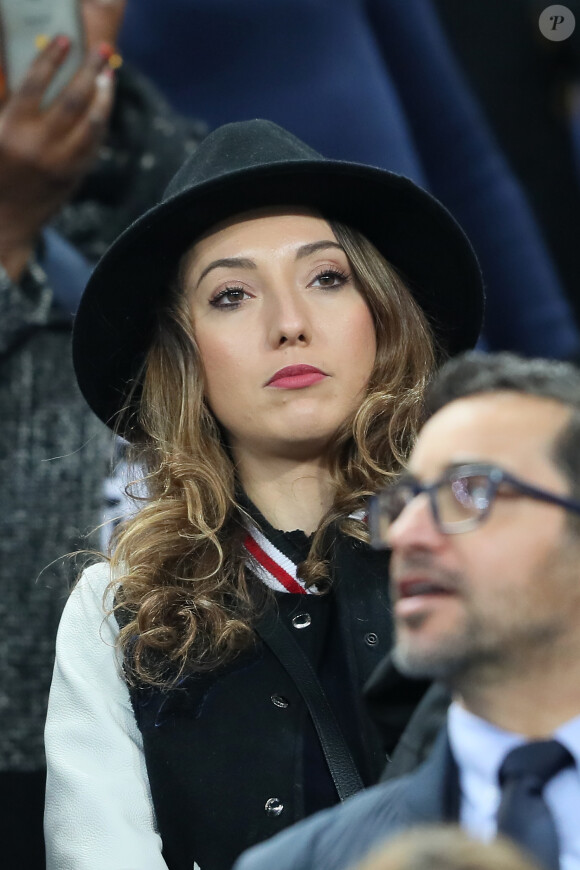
442, 659
493, 641
455, 656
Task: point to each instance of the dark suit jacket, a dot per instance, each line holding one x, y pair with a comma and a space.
337, 838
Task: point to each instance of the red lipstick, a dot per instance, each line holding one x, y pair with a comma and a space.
296, 377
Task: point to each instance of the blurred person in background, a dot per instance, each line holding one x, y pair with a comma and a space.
445, 847
529, 87
71, 177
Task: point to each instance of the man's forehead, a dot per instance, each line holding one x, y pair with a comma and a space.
509, 428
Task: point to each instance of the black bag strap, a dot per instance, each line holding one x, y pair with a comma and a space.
340, 762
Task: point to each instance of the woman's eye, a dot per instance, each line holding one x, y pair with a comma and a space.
330, 278
230, 297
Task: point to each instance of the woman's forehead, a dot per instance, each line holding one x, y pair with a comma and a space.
257, 226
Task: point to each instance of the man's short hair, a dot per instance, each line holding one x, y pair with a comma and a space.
473, 373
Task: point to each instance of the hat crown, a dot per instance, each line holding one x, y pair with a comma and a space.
237, 147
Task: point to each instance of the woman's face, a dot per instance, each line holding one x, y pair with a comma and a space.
286, 339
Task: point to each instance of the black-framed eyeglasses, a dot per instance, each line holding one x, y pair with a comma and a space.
460, 499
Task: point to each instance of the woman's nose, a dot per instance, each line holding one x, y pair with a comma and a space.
289, 320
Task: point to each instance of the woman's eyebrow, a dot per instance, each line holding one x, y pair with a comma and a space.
227, 263
306, 250
245, 263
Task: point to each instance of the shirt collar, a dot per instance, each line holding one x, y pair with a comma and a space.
480, 747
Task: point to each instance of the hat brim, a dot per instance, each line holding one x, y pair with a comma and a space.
116, 319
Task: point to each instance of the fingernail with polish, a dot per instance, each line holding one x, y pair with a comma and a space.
105, 51
62, 43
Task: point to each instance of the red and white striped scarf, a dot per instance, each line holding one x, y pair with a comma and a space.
272, 567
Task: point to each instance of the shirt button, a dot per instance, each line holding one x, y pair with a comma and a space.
273, 807
301, 620
280, 701
371, 639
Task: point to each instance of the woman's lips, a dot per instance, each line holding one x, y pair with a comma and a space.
296, 377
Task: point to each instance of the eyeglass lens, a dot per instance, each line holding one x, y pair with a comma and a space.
462, 498
457, 499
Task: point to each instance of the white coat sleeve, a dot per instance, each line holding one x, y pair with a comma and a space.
99, 814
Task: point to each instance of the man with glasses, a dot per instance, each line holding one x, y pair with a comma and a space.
485, 582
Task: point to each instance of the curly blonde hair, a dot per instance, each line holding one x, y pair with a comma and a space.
178, 564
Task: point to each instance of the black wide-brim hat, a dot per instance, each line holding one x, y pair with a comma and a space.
248, 165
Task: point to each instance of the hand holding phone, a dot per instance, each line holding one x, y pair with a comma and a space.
27, 26
46, 151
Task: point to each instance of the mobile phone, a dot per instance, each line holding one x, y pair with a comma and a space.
27, 25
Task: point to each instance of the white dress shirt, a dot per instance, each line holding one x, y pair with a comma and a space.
479, 749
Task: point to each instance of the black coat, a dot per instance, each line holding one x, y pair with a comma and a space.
232, 756
340, 837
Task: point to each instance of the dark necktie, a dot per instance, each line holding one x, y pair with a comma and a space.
523, 813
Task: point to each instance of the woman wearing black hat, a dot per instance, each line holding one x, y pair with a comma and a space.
262, 337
